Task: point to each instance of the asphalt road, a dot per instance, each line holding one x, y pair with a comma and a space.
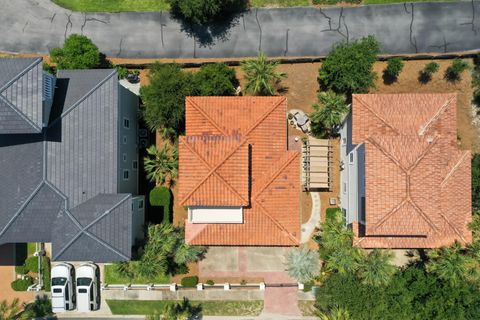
37, 26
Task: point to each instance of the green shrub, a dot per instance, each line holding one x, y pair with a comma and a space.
22, 284
122, 72
335, 1
46, 273
348, 68
41, 307
455, 69
307, 287
427, 71
331, 213
21, 269
161, 196
32, 264
78, 52
189, 281
210, 282
216, 79
394, 67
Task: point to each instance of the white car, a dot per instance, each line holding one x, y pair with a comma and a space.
88, 289
63, 287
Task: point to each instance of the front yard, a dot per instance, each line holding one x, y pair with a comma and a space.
112, 276
209, 308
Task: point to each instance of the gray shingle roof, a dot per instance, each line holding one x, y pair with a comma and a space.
60, 185
21, 99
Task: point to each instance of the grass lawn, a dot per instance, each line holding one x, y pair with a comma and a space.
113, 277
398, 1
31, 246
113, 5
209, 308
279, 3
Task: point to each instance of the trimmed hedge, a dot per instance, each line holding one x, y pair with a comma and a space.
46, 273
21, 269
162, 197
32, 264
22, 284
189, 281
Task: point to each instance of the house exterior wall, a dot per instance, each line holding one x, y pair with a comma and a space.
138, 218
128, 142
352, 177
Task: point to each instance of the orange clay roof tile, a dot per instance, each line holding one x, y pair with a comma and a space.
417, 181
222, 135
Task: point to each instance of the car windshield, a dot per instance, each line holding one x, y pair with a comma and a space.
59, 281
83, 281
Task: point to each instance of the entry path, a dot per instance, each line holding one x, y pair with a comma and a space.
37, 26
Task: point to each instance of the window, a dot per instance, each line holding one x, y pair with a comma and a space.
351, 157
344, 187
134, 164
126, 123
140, 204
124, 139
126, 174
362, 210
124, 157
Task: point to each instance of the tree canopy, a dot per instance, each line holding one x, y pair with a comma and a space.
216, 79
348, 67
261, 76
78, 52
303, 264
328, 113
204, 11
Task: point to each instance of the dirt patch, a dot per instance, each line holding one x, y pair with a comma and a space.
305, 206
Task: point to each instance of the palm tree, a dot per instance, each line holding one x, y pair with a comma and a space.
186, 254
9, 310
344, 260
328, 113
261, 75
336, 313
303, 264
178, 311
161, 165
450, 264
376, 269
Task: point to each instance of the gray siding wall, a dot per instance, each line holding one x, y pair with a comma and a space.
352, 177
84, 163
128, 152
138, 218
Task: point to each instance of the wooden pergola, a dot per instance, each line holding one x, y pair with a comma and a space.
316, 164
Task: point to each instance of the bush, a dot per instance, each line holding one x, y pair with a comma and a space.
22, 284
394, 67
427, 71
210, 282
455, 69
78, 52
161, 196
205, 11
122, 72
41, 307
32, 264
189, 281
334, 1
216, 79
333, 213
21, 269
348, 68
46, 273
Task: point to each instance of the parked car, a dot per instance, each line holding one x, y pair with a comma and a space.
88, 287
63, 287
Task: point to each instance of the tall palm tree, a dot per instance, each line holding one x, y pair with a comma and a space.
328, 113
261, 75
336, 313
376, 268
303, 264
449, 263
161, 165
9, 310
344, 260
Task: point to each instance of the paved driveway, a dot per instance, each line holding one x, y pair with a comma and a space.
37, 26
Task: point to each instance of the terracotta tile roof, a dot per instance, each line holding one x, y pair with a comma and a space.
222, 135
417, 181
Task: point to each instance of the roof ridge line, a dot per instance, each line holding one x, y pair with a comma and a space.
235, 149
107, 212
19, 113
424, 216
369, 108
454, 168
22, 207
386, 153
423, 154
452, 226
435, 117
278, 224
209, 175
389, 214
21, 74
197, 107
79, 101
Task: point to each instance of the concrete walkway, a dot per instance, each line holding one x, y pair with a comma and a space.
37, 26
314, 221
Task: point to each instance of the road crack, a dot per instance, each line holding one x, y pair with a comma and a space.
341, 18
85, 20
413, 39
444, 45
472, 23
260, 28
69, 23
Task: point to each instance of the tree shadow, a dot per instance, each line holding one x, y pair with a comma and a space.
218, 29
388, 79
424, 77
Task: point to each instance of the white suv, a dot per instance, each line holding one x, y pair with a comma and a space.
88, 289
63, 287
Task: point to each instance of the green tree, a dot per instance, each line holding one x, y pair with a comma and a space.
454, 71
161, 165
328, 113
78, 52
216, 79
348, 68
205, 11
450, 264
164, 98
178, 311
41, 307
394, 67
261, 76
303, 264
476, 182
427, 72
376, 268
8, 310
474, 226
335, 314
